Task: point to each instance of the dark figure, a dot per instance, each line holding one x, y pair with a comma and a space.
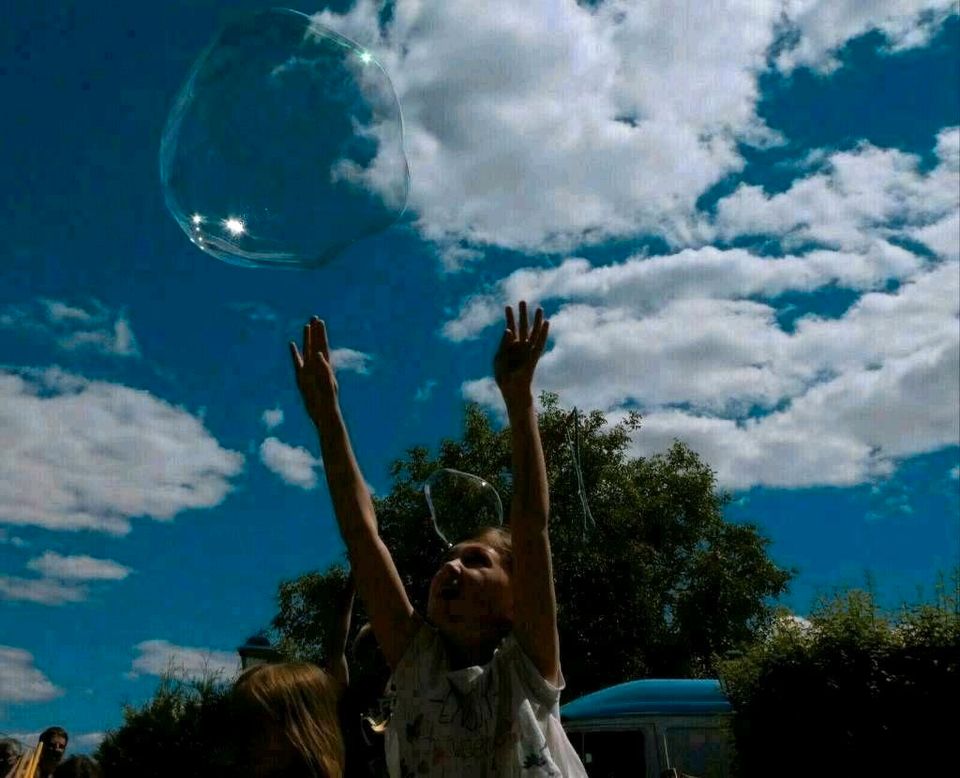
54, 741
78, 767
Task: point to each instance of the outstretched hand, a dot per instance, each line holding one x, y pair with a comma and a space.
315, 378
518, 353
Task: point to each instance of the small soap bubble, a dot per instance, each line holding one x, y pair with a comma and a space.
461, 504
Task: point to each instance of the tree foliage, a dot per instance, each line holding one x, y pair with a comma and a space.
183, 730
660, 585
853, 692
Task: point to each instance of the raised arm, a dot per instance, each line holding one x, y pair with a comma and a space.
377, 580
336, 649
534, 600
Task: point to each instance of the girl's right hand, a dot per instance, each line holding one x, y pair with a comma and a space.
314, 373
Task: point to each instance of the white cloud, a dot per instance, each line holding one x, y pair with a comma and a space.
84, 742
74, 328
157, 657
294, 464
7, 539
647, 285
78, 568
855, 206
21, 681
583, 123
791, 623
839, 433
941, 237
80, 742
272, 418
589, 121
955, 473
346, 359
79, 454
843, 398
859, 198
823, 26
694, 340
40, 590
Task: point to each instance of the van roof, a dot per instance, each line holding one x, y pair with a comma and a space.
662, 695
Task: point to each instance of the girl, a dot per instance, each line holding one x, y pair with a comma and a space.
476, 684
287, 721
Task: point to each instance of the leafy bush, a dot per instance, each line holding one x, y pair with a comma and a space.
184, 730
853, 692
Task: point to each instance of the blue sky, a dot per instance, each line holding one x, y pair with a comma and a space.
742, 219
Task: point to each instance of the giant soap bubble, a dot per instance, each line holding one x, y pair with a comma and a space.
284, 146
461, 504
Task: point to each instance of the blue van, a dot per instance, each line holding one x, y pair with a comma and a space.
642, 729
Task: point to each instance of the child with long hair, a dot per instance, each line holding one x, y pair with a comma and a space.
287, 720
475, 684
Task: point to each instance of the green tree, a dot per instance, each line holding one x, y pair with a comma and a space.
183, 730
659, 584
853, 691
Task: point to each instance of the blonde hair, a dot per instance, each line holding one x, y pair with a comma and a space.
500, 540
302, 700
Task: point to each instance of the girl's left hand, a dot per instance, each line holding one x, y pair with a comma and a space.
518, 354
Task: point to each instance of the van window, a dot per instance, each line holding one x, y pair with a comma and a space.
612, 753
699, 751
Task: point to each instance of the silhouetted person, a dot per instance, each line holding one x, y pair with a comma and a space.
54, 741
10, 751
78, 767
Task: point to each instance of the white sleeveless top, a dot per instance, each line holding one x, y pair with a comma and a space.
498, 720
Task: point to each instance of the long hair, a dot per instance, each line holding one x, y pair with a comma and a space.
302, 700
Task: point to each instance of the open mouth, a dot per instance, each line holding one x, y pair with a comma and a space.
451, 589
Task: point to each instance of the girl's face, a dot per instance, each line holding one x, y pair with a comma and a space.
471, 596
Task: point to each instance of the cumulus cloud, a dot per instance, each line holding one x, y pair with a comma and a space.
819, 28
840, 433
860, 197
347, 359
841, 398
21, 681
857, 208
294, 464
536, 148
84, 742
272, 418
694, 338
73, 327
157, 657
78, 568
648, 285
590, 121
42, 591
62, 579
81, 454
